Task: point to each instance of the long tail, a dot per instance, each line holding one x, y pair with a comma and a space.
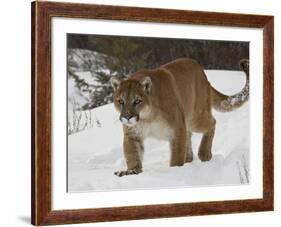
224, 103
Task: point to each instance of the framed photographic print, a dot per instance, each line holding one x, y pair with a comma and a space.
144, 113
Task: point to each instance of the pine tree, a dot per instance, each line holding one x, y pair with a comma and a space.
113, 57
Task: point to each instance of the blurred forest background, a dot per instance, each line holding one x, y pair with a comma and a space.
93, 59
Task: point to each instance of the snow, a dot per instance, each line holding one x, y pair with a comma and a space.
96, 153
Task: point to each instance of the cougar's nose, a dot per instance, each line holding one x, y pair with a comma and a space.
128, 116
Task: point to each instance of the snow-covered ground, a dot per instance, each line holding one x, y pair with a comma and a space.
95, 153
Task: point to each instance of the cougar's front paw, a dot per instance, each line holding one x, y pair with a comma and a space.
127, 172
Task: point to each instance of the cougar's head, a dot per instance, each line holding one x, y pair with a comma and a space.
131, 98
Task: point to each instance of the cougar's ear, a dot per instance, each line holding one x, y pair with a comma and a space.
147, 84
115, 83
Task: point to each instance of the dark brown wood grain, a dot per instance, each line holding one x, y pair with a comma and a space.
42, 12
268, 113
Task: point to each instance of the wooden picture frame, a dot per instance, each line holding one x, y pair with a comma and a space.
42, 13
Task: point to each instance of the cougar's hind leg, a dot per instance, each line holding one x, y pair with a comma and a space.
205, 148
189, 153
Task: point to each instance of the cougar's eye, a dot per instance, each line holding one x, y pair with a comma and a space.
121, 102
137, 101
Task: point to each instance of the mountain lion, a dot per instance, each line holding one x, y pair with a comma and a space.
169, 103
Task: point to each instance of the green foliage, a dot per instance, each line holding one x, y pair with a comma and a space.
120, 55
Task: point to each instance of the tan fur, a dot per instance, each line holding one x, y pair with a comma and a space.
176, 99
